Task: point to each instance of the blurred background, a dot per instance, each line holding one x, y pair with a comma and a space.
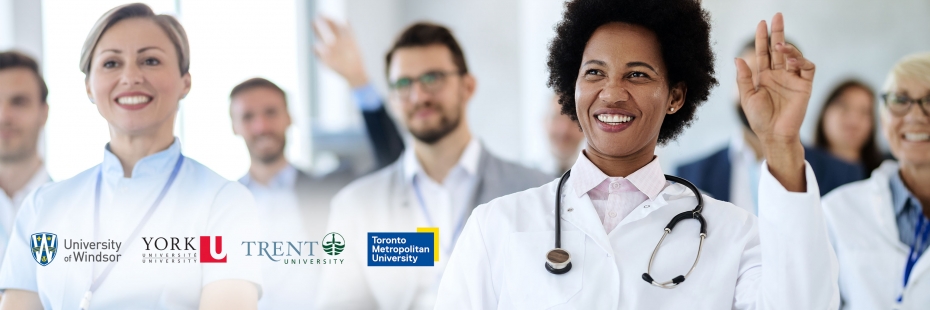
504, 42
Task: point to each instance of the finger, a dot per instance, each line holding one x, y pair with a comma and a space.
334, 27
762, 47
744, 79
316, 27
807, 69
323, 32
319, 50
792, 57
778, 39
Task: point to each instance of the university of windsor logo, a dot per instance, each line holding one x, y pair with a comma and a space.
333, 243
44, 247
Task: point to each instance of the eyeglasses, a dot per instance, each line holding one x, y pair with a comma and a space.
430, 82
900, 105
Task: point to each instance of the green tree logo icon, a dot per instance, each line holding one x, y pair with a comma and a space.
333, 243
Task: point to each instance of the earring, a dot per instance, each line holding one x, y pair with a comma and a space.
671, 109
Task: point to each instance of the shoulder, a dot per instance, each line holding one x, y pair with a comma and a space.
365, 186
529, 202
846, 197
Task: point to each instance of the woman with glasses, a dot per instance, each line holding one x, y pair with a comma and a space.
148, 228
879, 226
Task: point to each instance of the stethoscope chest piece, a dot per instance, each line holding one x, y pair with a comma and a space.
558, 261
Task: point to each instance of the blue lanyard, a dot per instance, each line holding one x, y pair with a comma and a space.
921, 234
85, 302
429, 219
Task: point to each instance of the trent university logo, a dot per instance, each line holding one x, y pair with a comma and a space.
44, 247
333, 243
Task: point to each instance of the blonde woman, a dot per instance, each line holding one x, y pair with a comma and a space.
136, 66
879, 226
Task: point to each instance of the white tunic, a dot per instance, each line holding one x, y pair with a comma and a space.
780, 260
199, 203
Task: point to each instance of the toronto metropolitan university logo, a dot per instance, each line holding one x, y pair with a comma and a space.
44, 247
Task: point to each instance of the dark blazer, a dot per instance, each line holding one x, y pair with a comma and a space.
385, 138
712, 173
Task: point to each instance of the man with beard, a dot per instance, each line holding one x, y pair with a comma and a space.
732, 173
437, 181
23, 112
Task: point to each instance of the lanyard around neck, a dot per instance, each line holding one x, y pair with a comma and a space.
921, 233
85, 302
460, 224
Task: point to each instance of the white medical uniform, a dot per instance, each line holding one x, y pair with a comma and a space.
10, 205
781, 260
862, 226
199, 203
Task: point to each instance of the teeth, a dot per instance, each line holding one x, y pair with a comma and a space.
916, 136
133, 100
614, 118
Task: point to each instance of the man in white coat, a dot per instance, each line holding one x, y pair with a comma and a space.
879, 226
633, 73
435, 183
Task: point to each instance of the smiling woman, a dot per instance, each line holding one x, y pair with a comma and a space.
136, 66
632, 73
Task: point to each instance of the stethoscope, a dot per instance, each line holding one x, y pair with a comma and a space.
558, 260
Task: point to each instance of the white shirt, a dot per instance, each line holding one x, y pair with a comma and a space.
447, 205
780, 260
744, 174
386, 201
285, 286
199, 203
10, 205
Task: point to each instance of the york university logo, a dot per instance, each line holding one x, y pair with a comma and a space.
333, 243
44, 247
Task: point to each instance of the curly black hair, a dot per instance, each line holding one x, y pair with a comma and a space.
683, 31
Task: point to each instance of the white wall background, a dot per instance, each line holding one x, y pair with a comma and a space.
505, 45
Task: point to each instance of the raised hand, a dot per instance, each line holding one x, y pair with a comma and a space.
336, 48
775, 99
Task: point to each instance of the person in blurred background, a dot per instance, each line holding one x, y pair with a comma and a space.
879, 226
338, 50
23, 112
732, 173
291, 203
435, 183
136, 66
565, 137
846, 126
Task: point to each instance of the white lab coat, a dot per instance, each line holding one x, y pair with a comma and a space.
499, 259
862, 226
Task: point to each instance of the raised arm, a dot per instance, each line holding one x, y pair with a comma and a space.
336, 48
792, 265
775, 99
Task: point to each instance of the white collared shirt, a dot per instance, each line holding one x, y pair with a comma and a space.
744, 174
10, 205
198, 203
448, 203
285, 286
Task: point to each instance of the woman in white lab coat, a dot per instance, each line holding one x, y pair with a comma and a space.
136, 65
632, 73
879, 226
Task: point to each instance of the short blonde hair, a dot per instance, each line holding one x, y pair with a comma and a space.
169, 24
912, 67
